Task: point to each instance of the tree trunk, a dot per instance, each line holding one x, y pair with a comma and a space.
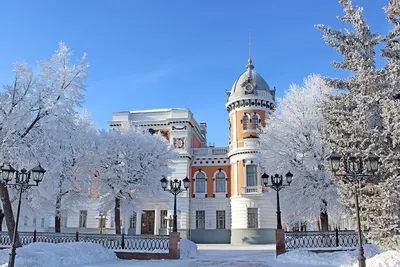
57, 218
1, 220
324, 221
117, 216
318, 223
8, 213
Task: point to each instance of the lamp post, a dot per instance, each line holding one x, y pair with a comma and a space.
102, 218
277, 185
175, 189
355, 169
22, 183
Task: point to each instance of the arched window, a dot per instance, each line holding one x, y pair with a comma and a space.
251, 175
254, 121
220, 182
200, 182
245, 122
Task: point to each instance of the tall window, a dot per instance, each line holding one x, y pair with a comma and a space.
254, 122
200, 182
251, 175
42, 223
34, 222
220, 182
132, 221
64, 219
25, 220
220, 219
200, 219
245, 122
164, 219
252, 218
82, 218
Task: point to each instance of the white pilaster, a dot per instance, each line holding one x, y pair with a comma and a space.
139, 223
157, 221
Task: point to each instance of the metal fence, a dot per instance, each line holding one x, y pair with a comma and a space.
116, 242
331, 239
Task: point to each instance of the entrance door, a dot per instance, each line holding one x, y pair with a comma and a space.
148, 217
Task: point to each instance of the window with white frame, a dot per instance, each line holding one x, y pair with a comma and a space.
251, 175
245, 122
164, 219
200, 182
220, 181
64, 219
82, 218
254, 121
132, 220
34, 222
252, 218
200, 219
42, 223
220, 219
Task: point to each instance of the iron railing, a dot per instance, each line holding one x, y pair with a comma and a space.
111, 241
331, 239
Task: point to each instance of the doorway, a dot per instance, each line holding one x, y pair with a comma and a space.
148, 217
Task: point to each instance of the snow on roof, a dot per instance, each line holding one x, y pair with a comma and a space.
157, 110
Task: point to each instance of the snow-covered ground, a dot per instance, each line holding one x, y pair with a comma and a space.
94, 255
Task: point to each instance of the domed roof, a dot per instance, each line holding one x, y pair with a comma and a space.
249, 82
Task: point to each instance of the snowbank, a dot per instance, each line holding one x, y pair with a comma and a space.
188, 249
58, 255
386, 259
340, 258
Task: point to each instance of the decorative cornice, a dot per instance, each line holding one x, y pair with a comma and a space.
243, 152
250, 103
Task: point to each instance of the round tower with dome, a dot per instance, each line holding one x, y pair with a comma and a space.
249, 102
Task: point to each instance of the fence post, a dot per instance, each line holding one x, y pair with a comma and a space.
337, 236
77, 236
123, 241
34, 235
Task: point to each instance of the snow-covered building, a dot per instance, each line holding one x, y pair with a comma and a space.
226, 202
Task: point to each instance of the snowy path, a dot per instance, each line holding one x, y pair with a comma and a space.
213, 255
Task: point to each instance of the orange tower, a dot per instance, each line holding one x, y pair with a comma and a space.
249, 103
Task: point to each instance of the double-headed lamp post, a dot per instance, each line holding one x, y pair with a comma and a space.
102, 218
277, 185
175, 189
356, 169
22, 181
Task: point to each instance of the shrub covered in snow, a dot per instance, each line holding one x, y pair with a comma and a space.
58, 255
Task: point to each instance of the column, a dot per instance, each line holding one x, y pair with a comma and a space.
139, 222
157, 221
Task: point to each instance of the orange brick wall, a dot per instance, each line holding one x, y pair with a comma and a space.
210, 170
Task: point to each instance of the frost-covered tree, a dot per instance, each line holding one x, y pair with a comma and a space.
360, 118
130, 166
32, 105
293, 140
68, 147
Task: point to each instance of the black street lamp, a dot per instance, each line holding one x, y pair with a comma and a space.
355, 169
175, 189
277, 185
102, 221
22, 183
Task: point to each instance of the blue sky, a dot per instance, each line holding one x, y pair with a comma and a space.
162, 54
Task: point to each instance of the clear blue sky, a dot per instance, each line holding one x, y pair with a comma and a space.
161, 54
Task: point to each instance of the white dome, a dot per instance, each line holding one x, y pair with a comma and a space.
250, 83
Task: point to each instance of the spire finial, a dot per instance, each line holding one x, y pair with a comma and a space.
250, 61
250, 51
